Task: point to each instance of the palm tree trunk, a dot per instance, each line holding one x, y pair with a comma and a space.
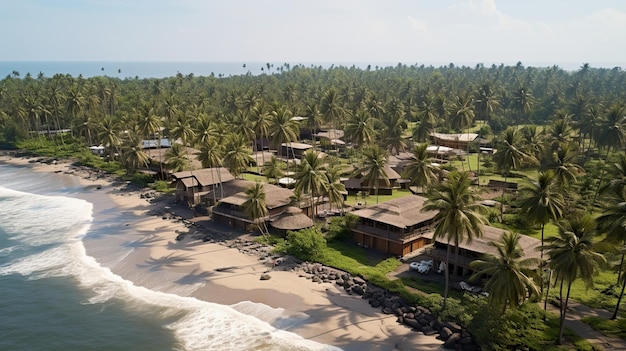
621, 266
559, 340
545, 302
502, 198
606, 160
619, 301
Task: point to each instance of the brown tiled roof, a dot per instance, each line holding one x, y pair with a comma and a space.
481, 245
160, 155
275, 196
204, 176
402, 212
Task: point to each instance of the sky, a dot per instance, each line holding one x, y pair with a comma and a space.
546, 32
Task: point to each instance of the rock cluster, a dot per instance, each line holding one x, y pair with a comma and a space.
418, 318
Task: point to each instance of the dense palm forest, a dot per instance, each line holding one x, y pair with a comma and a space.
561, 134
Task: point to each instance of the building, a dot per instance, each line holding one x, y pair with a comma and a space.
474, 250
229, 209
293, 218
396, 227
454, 141
193, 186
293, 150
355, 184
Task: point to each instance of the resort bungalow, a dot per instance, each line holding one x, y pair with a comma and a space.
192, 186
293, 150
293, 218
398, 226
469, 252
229, 209
454, 141
355, 184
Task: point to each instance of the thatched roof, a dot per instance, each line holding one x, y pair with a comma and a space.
462, 137
529, 244
402, 212
160, 155
275, 196
203, 177
292, 219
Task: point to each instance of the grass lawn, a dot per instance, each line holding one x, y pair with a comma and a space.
371, 199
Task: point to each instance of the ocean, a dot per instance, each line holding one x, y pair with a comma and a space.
55, 296
152, 69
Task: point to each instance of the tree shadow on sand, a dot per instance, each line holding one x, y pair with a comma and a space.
171, 260
196, 276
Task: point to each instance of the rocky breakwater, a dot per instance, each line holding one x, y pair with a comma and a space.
418, 318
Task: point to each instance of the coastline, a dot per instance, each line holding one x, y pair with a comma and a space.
216, 271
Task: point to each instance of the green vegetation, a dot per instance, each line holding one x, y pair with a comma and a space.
539, 121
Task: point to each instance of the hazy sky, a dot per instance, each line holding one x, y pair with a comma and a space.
341, 31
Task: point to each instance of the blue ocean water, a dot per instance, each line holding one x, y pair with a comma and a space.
153, 69
54, 296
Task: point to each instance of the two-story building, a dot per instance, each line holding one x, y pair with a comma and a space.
396, 226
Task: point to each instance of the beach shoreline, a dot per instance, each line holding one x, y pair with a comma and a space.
224, 267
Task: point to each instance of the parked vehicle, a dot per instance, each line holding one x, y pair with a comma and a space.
423, 266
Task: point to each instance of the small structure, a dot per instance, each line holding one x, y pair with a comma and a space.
293, 150
455, 141
397, 226
291, 219
355, 184
229, 209
192, 186
469, 252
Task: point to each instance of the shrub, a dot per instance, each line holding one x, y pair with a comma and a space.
339, 227
306, 244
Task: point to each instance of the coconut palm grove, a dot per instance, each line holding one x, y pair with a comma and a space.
546, 160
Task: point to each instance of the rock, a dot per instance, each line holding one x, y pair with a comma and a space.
450, 344
413, 324
445, 333
265, 277
453, 327
358, 289
466, 340
428, 330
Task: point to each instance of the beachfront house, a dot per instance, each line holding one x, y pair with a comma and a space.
193, 186
293, 150
474, 250
229, 209
454, 141
358, 183
397, 226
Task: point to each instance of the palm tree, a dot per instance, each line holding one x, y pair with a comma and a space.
572, 257
107, 133
360, 128
313, 118
420, 170
510, 274
178, 159
562, 161
133, 154
331, 108
612, 134
260, 125
255, 206
238, 154
373, 168
509, 155
211, 155
459, 216
523, 101
487, 101
612, 222
273, 168
283, 129
336, 189
543, 201
311, 177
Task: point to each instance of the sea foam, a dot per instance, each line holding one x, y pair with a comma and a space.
58, 224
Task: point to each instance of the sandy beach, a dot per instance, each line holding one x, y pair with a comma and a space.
216, 271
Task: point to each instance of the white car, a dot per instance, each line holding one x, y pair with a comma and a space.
423, 266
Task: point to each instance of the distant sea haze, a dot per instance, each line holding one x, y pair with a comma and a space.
162, 69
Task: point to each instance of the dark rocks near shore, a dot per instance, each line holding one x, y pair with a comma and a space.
418, 318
